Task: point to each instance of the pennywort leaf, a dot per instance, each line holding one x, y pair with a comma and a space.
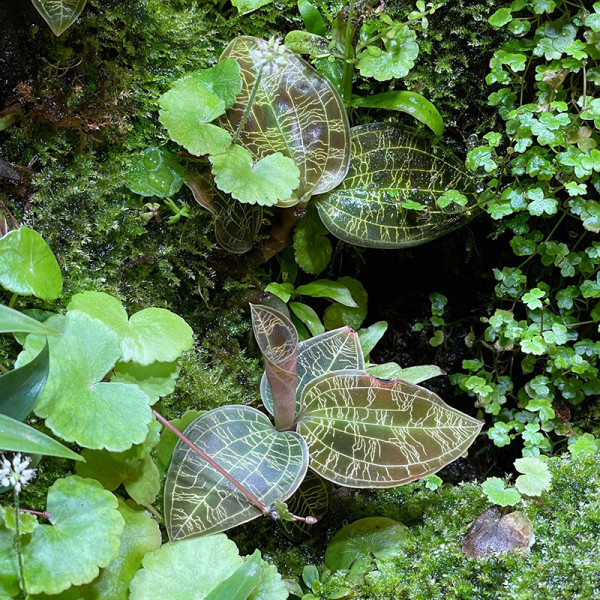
536, 477
155, 172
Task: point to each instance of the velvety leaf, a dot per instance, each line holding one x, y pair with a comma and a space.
409, 102
365, 432
236, 223
308, 316
312, 249
155, 380
155, 172
109, 415
241, 584
13, 321
313, 21
330, 351
388, 169
19, 437
187, 109
296, 112
325, 288
140, 535
536, 477
21, 388
277, 339
310, 499
83, 536
267, 182
492, 534
395, 61
28, 266
59, 14
338, 315
148, 336
199, 500
374, 536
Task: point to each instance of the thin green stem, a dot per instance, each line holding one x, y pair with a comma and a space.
348, 74
248, 108
18, 546
13, 300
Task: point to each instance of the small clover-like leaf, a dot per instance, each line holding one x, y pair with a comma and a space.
312, 249
395, 61
156, 172
199, 500
140, 535
82, 537
497, 492
148, 336
270, 180
28, 266
108, 414
536, 476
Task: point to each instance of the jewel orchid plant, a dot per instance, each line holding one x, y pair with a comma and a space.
350, 427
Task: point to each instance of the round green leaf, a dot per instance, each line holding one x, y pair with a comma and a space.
83, 536
187, 570
77, 404
390, 169
140, 535
150, 335
27, 265
374, 536
365, 432
270, 180
156, 172
497, 492
536, 477
271, 464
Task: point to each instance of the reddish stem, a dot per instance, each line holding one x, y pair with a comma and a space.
44, 515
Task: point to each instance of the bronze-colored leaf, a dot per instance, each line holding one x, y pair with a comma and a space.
295, 111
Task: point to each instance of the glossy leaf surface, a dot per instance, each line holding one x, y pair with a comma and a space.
311, 498
271, 464
59, 14
416, 374
28, 266
241, 584
21, 388
13, 321
296, 112
19, 437
277, 339
390, 169
331, 351
155, 172
409, 102
365, 432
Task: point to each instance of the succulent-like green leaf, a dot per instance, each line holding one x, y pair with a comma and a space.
140, 535
236, 223
295, 111
409, 102
13, 321
19, 437
193, 101
240, 439
76, 403
330, 351
155, 172
310, 499
21, 388
389, 169
270, 180
59, 14
82, 537
373, 536
277, 339
365, 432
150, 335
28, 266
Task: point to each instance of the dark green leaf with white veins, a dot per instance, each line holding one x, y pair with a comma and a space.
296, 112
365, 432
390, 169
271, 464
330, 351
310, 499
59, 14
